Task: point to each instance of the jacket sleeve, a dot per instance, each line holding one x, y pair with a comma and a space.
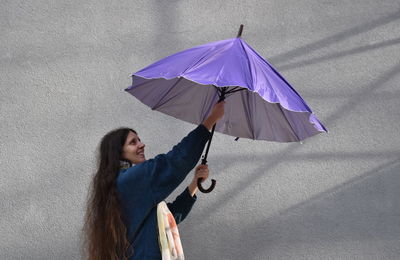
182, 205
161, 175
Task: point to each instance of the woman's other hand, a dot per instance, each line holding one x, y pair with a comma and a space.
200, 172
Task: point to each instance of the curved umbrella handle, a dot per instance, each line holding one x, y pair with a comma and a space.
199, 180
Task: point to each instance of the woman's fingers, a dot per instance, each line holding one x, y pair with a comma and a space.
201, 172
202, 166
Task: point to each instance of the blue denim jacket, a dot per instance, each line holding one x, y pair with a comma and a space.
142, 186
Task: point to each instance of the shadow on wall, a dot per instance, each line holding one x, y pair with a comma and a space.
339, 54
364, 208
333, 39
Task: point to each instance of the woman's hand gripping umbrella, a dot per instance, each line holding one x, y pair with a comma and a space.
201, 173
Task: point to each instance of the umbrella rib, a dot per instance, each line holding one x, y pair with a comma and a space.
204, 104
169, 90
249, 117
219, 91
287, 120
230, 92
217, 88
248, 62
203, 56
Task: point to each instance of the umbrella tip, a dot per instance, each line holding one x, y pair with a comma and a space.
240, 31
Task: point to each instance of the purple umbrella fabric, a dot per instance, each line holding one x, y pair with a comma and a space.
185, 86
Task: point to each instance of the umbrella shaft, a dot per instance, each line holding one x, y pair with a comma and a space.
204, 160
223, 92
221, 98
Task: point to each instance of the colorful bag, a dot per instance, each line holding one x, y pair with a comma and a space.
168, 234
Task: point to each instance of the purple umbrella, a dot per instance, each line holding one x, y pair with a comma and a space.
260, 103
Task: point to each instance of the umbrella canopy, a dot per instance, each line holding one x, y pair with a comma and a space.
260, 103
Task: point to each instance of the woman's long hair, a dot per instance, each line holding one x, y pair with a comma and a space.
104, 232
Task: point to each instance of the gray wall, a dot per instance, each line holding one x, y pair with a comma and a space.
64, 66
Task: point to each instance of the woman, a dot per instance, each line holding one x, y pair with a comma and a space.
121, 217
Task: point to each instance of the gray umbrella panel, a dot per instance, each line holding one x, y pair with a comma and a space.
247, 114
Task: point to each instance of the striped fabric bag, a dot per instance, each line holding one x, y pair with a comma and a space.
168, 234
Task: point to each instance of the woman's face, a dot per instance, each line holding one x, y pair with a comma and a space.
133, 149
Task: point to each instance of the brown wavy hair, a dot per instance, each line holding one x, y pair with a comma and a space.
104, 231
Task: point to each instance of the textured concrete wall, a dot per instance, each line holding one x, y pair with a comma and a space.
64, 65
